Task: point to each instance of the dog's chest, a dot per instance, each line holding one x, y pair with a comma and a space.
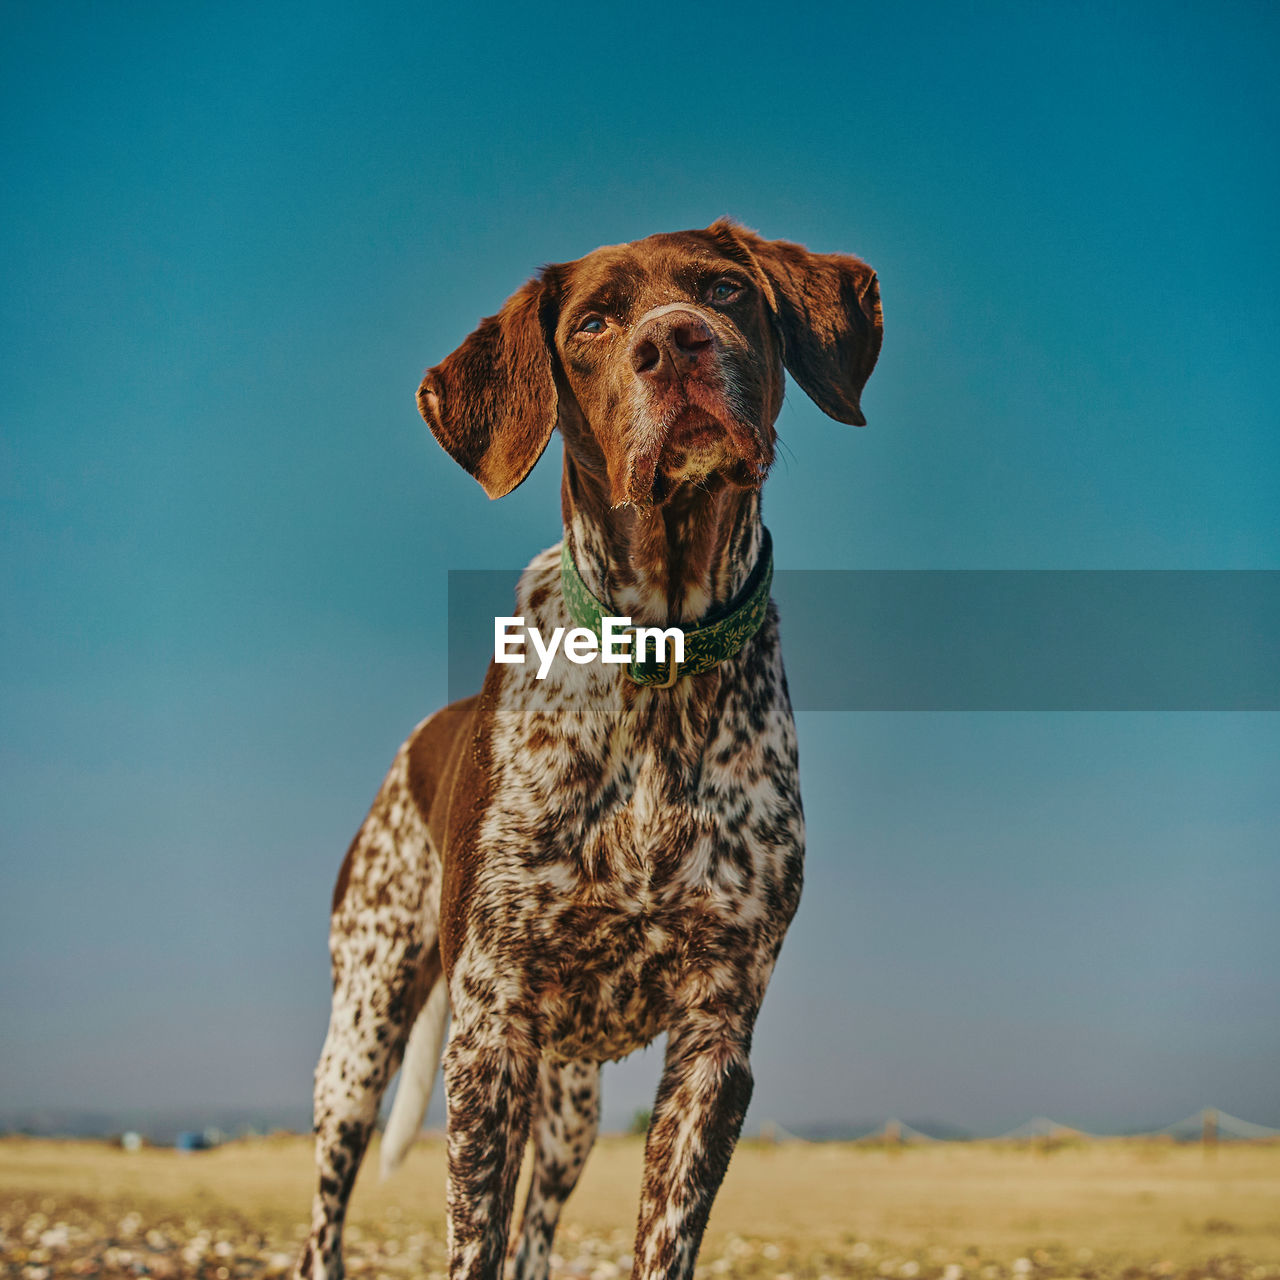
630, 908
634, 861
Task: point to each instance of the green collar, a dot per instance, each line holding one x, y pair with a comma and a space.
720, 635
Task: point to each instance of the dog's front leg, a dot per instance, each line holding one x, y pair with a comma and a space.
566, 1119
490, 1074
703, 1097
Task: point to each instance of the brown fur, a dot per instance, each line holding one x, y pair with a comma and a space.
596, 862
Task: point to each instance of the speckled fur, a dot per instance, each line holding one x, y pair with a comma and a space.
643, 864
591, 863
385, 959
566, 1118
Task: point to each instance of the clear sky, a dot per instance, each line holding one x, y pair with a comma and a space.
233, 238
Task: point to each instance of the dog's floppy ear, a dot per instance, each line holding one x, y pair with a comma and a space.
827, 306
492, 404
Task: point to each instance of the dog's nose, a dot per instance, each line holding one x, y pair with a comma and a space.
668, 345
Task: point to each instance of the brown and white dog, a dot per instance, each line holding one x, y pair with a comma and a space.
576, 864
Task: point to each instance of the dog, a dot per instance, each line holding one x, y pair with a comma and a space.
571, 866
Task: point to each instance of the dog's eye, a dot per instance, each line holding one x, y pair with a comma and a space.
593, 325
725, 290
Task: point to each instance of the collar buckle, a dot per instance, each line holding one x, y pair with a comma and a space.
673, 674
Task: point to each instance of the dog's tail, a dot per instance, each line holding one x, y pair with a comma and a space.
417, 1075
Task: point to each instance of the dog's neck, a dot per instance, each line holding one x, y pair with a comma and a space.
671, 562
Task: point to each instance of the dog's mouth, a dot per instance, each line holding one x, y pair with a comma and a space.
693, 428
694, 435
697, 448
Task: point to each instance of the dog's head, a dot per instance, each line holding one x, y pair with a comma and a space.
661, 361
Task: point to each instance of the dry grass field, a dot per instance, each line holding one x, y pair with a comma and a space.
791, 1212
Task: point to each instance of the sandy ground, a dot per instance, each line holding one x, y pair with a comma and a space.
792, 1212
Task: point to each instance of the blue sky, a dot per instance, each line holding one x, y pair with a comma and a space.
235, 236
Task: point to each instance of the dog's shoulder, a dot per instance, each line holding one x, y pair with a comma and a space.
434, 750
